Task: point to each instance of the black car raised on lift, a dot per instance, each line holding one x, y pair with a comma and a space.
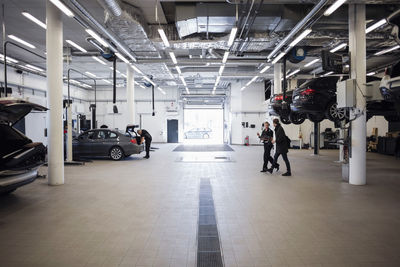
286, 115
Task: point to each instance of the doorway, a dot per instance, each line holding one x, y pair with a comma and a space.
172, 131
203, 125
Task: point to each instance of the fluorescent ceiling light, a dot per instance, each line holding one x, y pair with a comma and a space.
97, 37
187, 90
333, 7
178, 70
86, 85
99, 60
337, 48
311, 63
123, 75
90, 74
371, 73
183, 80
149, 80
10, 59
232, 36
35, 20
161, 90
62, 7
225, 58
278, 57
76, 46
19, 40
163, 37
252, 80
221, 70
136, 69
292, 73
107, 81
217, 80
328, 73
117, 71
265, 69
33, 67
122, 58
387, 50
172, 55
376, 25
300, 37
244, 87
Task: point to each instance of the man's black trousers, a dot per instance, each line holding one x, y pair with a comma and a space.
147, 146
267, 155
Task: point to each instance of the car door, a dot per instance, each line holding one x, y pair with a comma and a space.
82, 146
98, 144
111, 139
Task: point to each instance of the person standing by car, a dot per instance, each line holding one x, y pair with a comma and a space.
282, 148
266, 137
146, 137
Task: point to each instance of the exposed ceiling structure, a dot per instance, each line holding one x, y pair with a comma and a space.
198, 35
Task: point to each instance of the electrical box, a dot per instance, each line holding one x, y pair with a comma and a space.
346, 93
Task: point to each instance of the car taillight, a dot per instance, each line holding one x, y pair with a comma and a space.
279, 97
133, 141
308, 91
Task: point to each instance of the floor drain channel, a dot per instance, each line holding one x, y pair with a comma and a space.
208, 245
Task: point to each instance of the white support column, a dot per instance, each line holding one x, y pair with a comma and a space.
278, 78
54, 48
130, 95
357, 48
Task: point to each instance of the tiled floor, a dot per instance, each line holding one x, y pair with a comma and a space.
144, 213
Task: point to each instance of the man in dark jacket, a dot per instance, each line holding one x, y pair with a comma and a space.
282, 148
266, 137
146, 137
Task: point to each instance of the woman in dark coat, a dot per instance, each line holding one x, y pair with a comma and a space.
282, 148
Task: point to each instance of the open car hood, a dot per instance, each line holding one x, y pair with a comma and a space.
14, 109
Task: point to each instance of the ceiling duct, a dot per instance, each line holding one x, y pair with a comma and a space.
111, 6
131, 27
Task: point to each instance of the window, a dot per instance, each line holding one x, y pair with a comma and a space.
112, 135
101, 135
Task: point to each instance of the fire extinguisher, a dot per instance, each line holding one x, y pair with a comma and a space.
246, 141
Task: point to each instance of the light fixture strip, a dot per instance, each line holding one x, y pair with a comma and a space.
136, 69
183, 80
337, 48
19, 40
77, 46
371, 73
232, 36
149, 80
328, 73
35, 20
376, 25
164, 37
300, 37
99, 60
120, 56
221, 70
10, 59
265, 69
97, 37
63, 8
387, 50
33, 67
225, 58
90, 74
278, 57
293, 73
311, 63
178, 70
172, 55
333, 7
107, 81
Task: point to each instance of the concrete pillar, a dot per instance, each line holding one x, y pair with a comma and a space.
130, 95
357, 49
278, 75
54, 64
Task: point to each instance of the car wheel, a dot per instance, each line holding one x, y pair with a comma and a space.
316, 117
333, 113
116, 153
206, 136
297, 118
285, 120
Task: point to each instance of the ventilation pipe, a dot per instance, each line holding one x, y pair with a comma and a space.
112, 6
299, 26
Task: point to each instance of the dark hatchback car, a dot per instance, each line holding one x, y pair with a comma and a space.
286, 115
20, 158
317, 99
105, 143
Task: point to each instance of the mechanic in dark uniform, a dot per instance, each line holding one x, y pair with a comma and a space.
145, 136
266, 137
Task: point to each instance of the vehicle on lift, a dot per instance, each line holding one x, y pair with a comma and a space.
317, 99
20, 158
198, 133
286, 115
105, 143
